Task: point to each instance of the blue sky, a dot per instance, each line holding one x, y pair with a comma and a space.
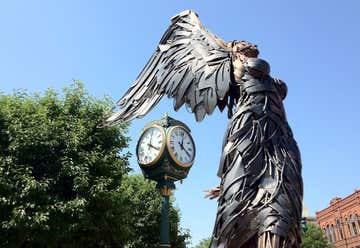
312, 45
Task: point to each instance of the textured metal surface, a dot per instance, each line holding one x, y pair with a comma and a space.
260, 169
189, 65
261, 187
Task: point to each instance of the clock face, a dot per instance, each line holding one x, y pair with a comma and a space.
150, 145
181, 146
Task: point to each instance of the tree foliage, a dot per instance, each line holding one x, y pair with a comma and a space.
205, 243
314, 238
62, 178
144, 203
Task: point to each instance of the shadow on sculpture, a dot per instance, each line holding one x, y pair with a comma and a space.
260, 195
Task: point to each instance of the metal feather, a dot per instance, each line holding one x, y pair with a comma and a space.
186, 46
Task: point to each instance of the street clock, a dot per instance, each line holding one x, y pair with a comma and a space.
165, 150
151, 145
180, 146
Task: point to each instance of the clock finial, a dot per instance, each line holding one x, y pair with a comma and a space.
166, 118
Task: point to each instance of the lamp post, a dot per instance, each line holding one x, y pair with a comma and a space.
165, 153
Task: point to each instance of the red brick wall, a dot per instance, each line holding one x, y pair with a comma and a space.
342, 209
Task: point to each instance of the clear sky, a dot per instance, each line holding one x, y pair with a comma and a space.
312, 45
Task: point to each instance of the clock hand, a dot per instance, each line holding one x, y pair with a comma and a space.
150, 143
154, 147
187, 153
181, 145
151, 135
182, 148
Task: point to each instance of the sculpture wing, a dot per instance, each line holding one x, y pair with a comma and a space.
190, 65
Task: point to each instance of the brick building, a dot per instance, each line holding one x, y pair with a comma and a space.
340, 221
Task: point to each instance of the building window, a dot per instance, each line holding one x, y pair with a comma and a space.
353, 224
329, 233
333, 232
358, 221
348, 226
340, 231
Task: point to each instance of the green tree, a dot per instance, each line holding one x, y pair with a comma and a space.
205, 243
314, 238
61, 177
144, 203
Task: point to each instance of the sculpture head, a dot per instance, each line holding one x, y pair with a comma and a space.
245, 48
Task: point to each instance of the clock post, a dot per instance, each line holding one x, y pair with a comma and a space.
165, 153
165, 187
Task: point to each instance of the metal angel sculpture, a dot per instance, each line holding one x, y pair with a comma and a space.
260, 195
